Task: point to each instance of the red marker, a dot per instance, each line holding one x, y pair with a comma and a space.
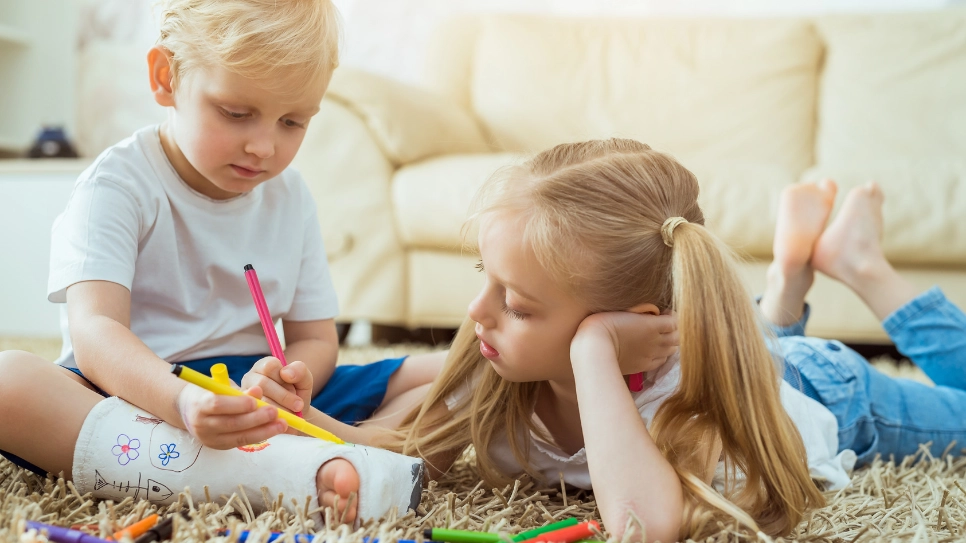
268, 325
568, 534
635, 382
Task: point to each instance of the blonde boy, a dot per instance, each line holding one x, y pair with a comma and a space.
148, 257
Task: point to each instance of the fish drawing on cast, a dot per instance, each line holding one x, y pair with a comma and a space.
153, 490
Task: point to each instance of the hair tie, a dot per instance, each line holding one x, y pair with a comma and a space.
667, 229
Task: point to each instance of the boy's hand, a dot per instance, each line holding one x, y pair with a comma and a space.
288, 387
225, 422
641, 342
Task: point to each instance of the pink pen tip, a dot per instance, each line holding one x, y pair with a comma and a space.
268, 324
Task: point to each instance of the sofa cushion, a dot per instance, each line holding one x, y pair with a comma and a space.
702, 89
408, 122
893, 85
740, 203
925, 201
431, 200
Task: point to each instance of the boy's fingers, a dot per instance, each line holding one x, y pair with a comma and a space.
266, 367
269, 363
281, 395
217, 404
249, 436
229, 424
294, 373
255, 391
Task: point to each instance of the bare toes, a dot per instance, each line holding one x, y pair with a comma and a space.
853, 240
338, 484
803, 211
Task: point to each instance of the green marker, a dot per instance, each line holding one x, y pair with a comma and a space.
530, 534
464, 536
460, 536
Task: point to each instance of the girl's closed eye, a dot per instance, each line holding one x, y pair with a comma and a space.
514, 313
519, 315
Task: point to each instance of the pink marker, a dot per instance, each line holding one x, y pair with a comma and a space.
268, 325
635, 382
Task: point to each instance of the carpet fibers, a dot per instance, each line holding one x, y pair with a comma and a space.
920, 498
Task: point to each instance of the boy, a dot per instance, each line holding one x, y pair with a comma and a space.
148, 257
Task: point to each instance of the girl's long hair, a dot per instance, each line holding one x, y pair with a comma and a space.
594, 213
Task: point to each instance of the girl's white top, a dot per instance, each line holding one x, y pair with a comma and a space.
815, 422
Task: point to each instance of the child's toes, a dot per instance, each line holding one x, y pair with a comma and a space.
338, 484
338, 504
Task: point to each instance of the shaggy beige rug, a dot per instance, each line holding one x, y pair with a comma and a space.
921, 498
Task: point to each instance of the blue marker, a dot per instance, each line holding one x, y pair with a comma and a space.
58, 534
299, 538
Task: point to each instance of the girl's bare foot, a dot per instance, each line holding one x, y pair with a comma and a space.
803, 211
852, 243
336, 481
850, 250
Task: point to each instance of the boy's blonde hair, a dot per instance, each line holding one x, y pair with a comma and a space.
283, 44
594, 213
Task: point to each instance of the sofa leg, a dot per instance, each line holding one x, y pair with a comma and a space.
382, 333
342, 328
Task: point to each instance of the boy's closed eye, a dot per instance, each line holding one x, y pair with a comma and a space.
291, 123
238, 115
234, 114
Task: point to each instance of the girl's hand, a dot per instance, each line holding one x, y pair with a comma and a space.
225, 422
641, 342
288, 387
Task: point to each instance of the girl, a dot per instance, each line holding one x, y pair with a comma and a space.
585, 249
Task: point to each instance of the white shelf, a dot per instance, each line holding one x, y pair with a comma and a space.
42, 166
13, 36
29, 203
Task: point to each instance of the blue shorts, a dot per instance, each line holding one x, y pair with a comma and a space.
351, 395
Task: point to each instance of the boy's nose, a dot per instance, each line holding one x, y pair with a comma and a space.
260, 146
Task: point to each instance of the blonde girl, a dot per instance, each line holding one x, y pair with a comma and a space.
580, 246
586, 249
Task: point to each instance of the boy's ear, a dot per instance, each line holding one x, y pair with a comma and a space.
159, 69
642, 309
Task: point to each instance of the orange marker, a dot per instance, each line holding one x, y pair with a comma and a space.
567, 535
137, 528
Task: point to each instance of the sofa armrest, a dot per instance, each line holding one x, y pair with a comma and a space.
349, 177
407, 122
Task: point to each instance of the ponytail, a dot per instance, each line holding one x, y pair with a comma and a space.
728, 397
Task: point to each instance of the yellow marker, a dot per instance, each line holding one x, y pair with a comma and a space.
207, 383
219, 372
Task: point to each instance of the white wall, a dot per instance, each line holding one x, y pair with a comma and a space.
31, 196
388, 36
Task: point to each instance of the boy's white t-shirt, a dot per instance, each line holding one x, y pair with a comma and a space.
133, 221
815, 423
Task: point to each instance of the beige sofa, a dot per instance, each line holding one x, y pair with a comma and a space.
750, 106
